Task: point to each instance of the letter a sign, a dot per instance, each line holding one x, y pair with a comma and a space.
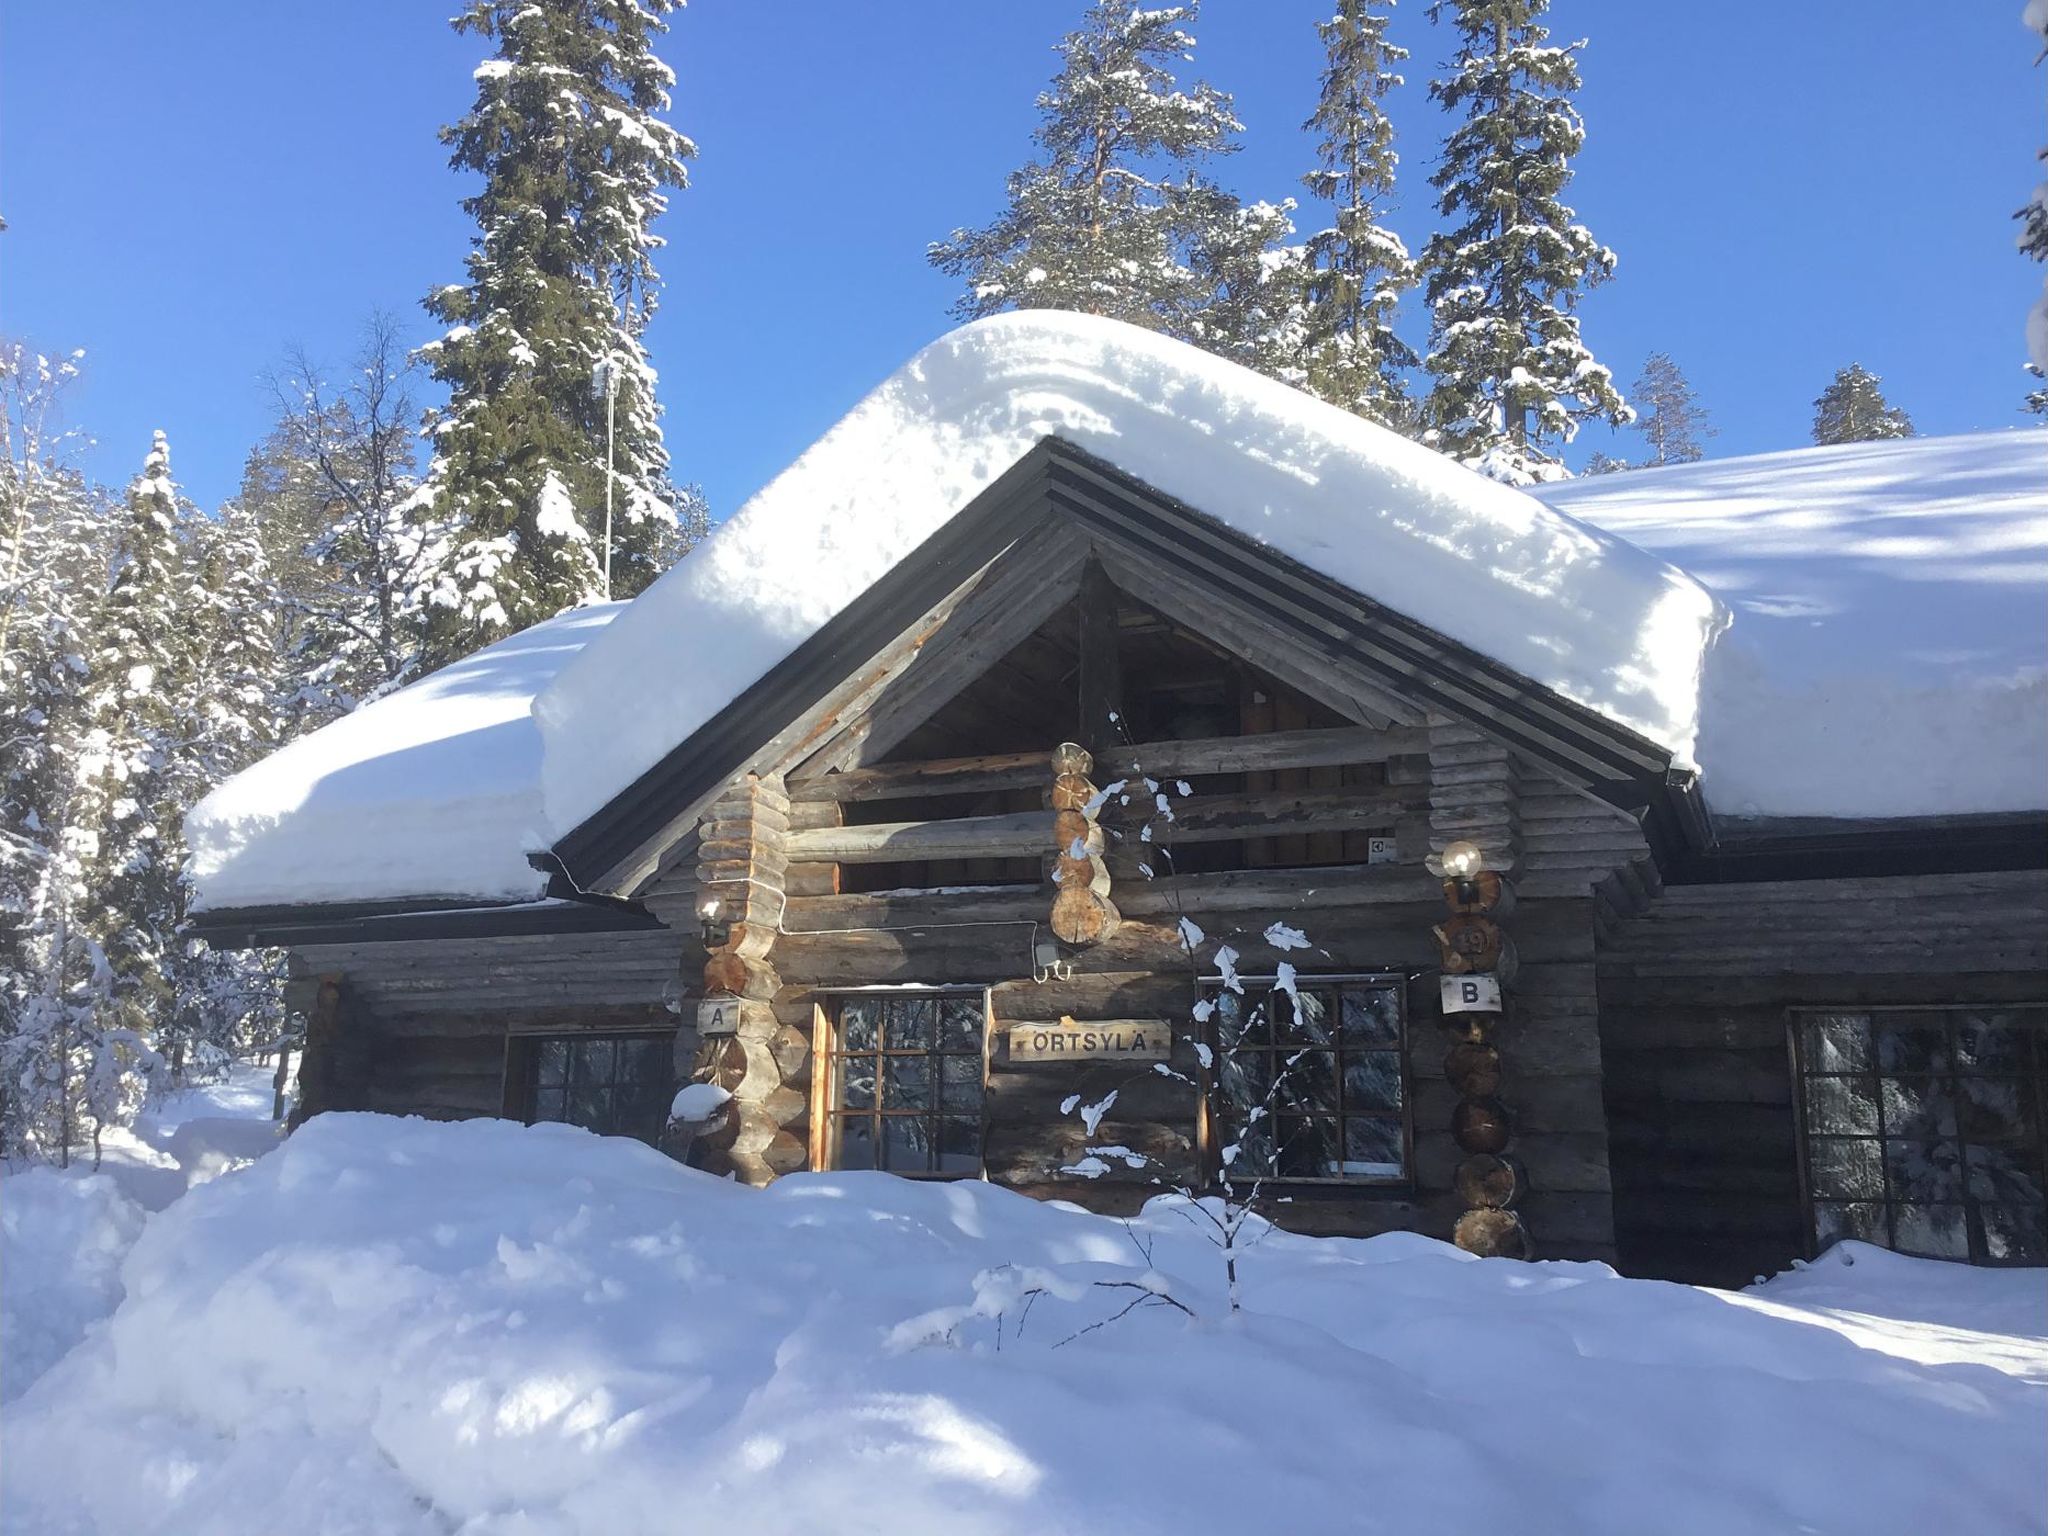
1471, 994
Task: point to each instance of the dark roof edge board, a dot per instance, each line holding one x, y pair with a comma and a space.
1933, 845
403, 921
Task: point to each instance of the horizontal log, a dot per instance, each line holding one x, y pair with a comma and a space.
1265, 752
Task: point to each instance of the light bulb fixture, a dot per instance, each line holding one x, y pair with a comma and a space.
717, 928
1463, 861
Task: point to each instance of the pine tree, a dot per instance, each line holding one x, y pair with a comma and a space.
1113, 218
1357, 267
1510, 371
1853, 409
1669, 414
2034, 243
567, 134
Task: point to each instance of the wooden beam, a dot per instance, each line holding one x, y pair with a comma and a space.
1099, 726
1026, 834
1213, 754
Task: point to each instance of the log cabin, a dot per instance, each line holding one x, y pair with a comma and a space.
1653, 868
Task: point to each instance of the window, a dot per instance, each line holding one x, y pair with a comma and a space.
1921, 1129
1325, 1060
906, 1082
616, 1085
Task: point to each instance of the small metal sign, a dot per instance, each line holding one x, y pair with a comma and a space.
1379, 850
718, 1016
1101, 1040
1471, 994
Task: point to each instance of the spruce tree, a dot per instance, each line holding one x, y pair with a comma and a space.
1357, 267
1510, 373
1669, 413
567, 135
1113, 217
1853, 409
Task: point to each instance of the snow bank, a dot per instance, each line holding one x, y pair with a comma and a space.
1889, 652
62, 1239
1573, 608
396, 1327
433, 791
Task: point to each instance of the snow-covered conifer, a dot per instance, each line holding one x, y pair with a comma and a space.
1669, 413
1113, 217
1510, 372
1357, 267
568, 136
1853, 409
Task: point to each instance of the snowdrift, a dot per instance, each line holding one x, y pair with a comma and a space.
396, 1327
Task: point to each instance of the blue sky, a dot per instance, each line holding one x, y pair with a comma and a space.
191, 187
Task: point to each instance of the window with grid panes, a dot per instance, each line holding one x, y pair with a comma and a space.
907, 1085
1325, 1061
615, 1085
1922, 1129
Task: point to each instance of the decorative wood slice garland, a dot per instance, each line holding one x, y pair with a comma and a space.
1488, 1181
1082, 912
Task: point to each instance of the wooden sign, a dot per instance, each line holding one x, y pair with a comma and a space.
1471, 994
1103, 1040
718, 1016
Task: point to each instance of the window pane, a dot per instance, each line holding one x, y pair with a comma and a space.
1241, 1022
547, 1104
1985, 1044
644, 1096
1911, 1042
1840, 1169
1254, 1156
1372, 1147
592, 1062
2006, 1175
1308, 1148
1841, 1106
1935, 1230
1305, 1018
2014, 1234
1372, 1017
857, 1082
960, 1024
1244, 1077
912, 1024
1923, 1170
1998, 1109
856, 1142
907, 1143
590, 1106
906, 1082
552, 1063
859, 1029
1309, 1081
1836, 1042
960, 1082
1922, 1106
1864, 1222
1372, 1080
959, 1145
639, 1058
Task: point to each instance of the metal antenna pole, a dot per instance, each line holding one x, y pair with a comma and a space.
611, 395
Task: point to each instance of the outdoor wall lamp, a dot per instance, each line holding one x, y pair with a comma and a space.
1464, 863
717, 928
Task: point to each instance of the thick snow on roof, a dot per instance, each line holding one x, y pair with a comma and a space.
1889, 651
433, 791
1579, 611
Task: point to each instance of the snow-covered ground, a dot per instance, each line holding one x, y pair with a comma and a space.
394, 1326
64, 1232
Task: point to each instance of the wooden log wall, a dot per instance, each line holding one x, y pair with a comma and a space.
1694, 995
422, 1026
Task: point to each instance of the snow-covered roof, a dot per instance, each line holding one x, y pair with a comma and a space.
433, 791
1888, 657
1889, 650
1581, 612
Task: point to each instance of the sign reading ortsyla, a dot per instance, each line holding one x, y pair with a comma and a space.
1101, 1040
